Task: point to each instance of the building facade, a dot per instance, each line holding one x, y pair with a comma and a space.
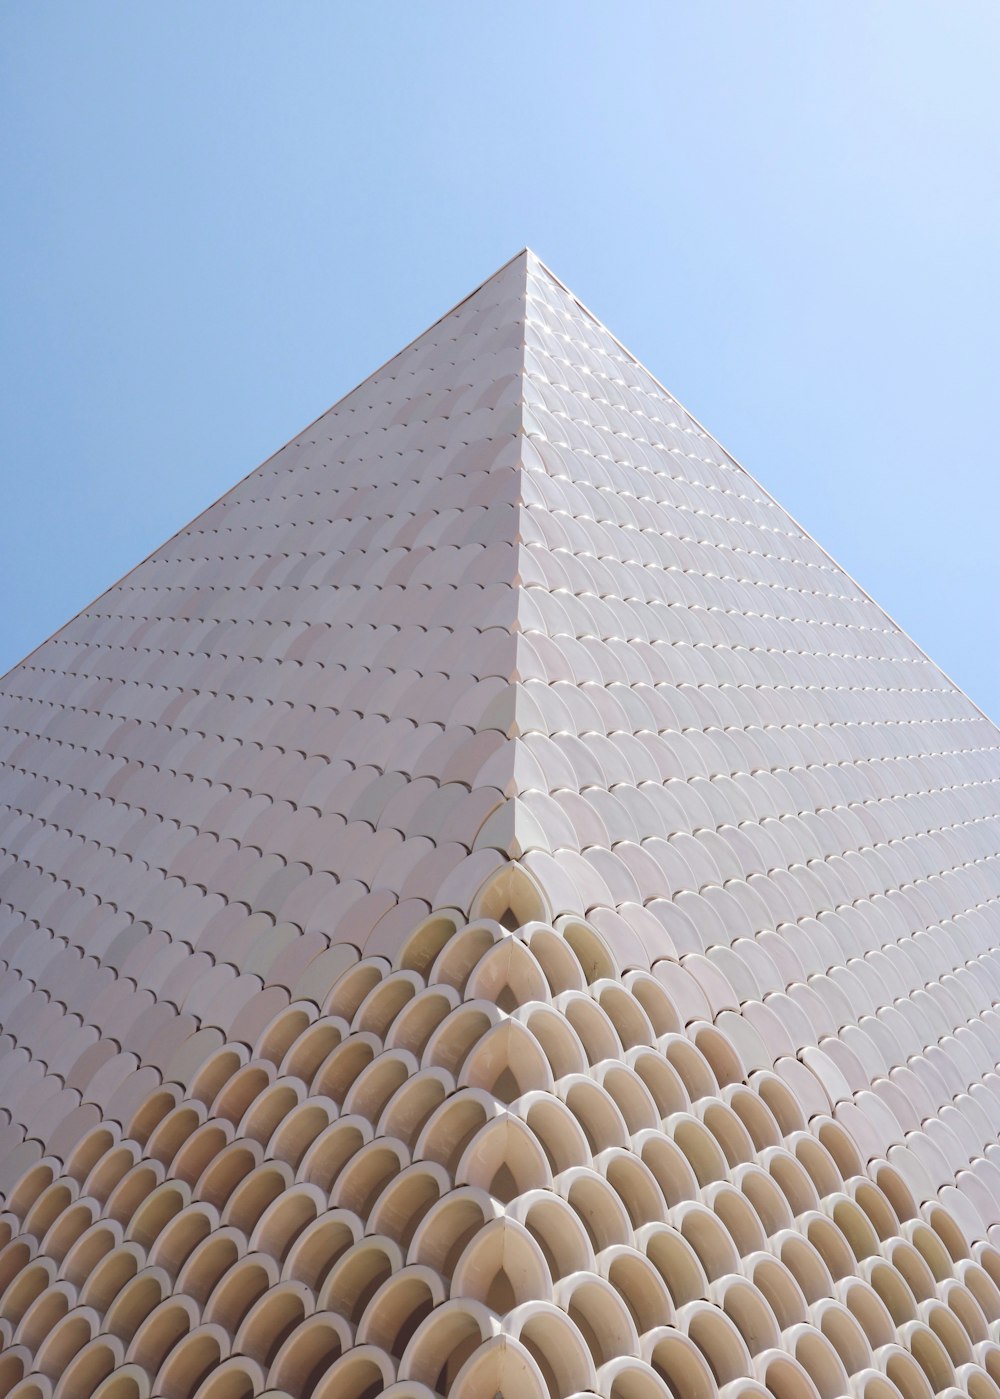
492, 908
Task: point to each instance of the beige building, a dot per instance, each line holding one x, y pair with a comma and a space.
492, 908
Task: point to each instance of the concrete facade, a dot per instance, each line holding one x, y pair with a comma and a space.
492, 907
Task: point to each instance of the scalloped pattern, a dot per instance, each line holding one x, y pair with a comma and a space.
672, 866
500, 1166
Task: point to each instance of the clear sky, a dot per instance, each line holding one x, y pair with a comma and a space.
219, 217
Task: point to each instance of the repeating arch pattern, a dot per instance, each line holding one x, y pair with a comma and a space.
587, 1191
492, 907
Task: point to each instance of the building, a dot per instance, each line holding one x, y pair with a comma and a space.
492, 908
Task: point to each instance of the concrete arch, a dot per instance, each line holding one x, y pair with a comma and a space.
353, 985
366, 1175
755, 1115
225, 1171
844, 1332
503, 1158
254, 1193
266, 1113
285, 1218
555, 1344
656, 1004
591, 1025
703, 1153
677, 1360
557, 1130
92, 1146
363, 1370
63, 1342
780, 1101
357, 1273
444, 1341
420, 1017
455, 1036
556, 1038
240, 1088
556, 958
597, 1206
406, 1199
670, 1168
629, 1378
161, 1330
338, 1071
599, 1314
208, 1262
625, 1012
312, 1047
663, 1082
239, 1288
511, 896
499, 1361
868, 1309
779, 1288
507, 975
630, 1095
192, 1360
675, 1260
174, 1129
67, 1227
693, 1068
506, 1062
709, 1238
331, 1151
718, 1338
151, 1112
50, 1205
194, 1156
454, 963
447, 1226
634, 1184
783, 1376
557, 1230
139, 1296
274, 1315
385, 1001
749, 1311
181, 1234
768, 1202
737, 1215
639, 1284
156, 1211
319, 1246
595, 1110
284, 1030
236, 1378
421, 948
34, 1281
309, 1352
398, 1307
791, 1178
728, 1130
589, 948
89, 1367
502, 1266
410, 1107
891, 1288
295, 1133
377, 1082
127, 1382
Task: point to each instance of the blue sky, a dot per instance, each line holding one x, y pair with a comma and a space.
220, 217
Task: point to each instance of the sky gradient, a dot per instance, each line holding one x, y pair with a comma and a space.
219, 218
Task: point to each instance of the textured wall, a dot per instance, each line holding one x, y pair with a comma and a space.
492, 907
